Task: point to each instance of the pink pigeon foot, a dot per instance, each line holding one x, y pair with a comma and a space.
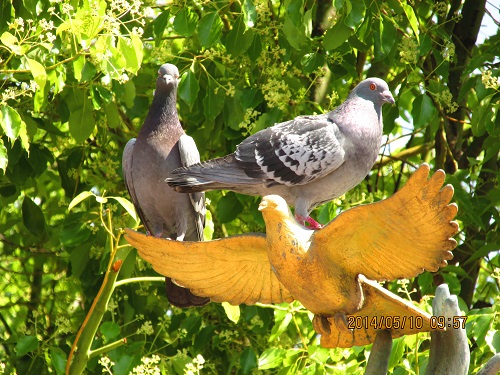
313, 224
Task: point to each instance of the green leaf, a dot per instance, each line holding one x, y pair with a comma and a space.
232, 312
208, 231
159, 25
74, 231
129, 93
39, 73
278, 329
13, 125
336, 35
25, 345
78, 65
271, 358
210, 29
128, 206
112, 115
250, 13
312, 61
423, 111
251, 98
185, 22
228, 208
131, 49
213, 102
33, 218
248, 360
481, 327
356, 15
79, 198
188, 88
58, 358
294, 34
481, 115
110, 331
398, 347
385, 39
11, 41
4, 160
412, 19
81, 123
238, 39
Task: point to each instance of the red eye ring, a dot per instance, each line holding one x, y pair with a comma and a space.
373, 86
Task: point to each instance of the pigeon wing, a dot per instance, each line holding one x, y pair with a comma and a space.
189, 155
127, 163
294, 152
399, 237
234, 269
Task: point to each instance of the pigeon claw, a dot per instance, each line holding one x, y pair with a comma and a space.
313, 224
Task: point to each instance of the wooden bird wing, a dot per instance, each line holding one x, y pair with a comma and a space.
399, 237
234, 269
381, 310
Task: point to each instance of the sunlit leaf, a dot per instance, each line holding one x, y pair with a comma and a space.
4, 159
278, 329
232, 312
249, 12
271, 358
128, 206
79, 198
39, 73
131, 49
412, 19
12, 42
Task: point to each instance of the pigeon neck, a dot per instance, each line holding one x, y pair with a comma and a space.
162, 116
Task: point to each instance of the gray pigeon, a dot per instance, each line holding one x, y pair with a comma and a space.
308, 161
162, 146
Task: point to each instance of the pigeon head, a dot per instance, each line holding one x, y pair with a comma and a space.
375, 90
168, 74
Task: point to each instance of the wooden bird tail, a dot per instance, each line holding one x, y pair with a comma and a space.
382, 310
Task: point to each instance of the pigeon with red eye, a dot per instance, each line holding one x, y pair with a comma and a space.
307, 161
162, 146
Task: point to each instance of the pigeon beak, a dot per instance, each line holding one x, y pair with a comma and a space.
169, 79
387, 97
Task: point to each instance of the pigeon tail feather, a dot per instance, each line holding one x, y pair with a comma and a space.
217, 174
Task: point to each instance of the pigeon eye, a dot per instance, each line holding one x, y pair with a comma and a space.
373, 86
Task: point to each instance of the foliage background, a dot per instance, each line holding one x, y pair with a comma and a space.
76, 80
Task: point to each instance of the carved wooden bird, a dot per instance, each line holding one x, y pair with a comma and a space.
330, 271
308, 161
